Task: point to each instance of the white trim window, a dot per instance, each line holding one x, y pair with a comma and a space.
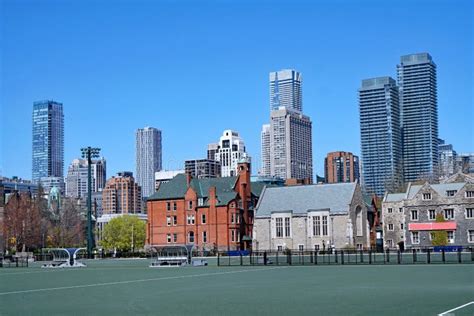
448, 214
316, 225
432, 214
451, 192
191, 220
415, 238
414, 215
168, 220
203, 219
389, 210
470, 236
190, 205
451, 236
191, 237
470, 194
389, 243
175, 238
279, 227
287, 227
390, 226
168, 238
426, 196
175, 220
325, 225
469, 212
301, 247
204, 236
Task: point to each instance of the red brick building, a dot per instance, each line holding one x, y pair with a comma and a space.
209, 213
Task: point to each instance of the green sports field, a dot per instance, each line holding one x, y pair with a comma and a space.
119, 287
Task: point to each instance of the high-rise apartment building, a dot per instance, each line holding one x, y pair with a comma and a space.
231, 150
48, 140
341, 166
465, 162
447, 159
265, 168
212, 150
203, 168
419, 115
122, 195
285, 90
76, 179
148, 158
291, 154
381, 143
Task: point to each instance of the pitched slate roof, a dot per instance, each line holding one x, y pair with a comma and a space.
395, 197
299, 199
174, 189
439, 188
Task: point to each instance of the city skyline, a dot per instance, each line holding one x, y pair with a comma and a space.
331, 83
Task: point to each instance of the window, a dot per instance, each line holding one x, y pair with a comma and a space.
237, 217
469, 194
390, 210
204, 236
470, 235
325, 225
401, 226
300, 247
390, 243
168, 220
232, 218
470, 213
316, 225
200, 202
279, 227
432, 235
168, 206
448, 214
168, 238
414, 215
426, 196
451, 192
287, 227
390, 226
359, 246
175, 220
415, 237
175, 238
279, 248
174, 206
432, 214
190, 219
191, 237
316, 247
400, 209
190, 205
450, 236
203, 219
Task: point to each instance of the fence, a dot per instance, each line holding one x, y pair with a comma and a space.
345, 257
13, 262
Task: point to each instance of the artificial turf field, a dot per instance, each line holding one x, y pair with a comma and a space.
129, 287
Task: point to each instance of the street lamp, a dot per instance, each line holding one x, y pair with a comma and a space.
89, 153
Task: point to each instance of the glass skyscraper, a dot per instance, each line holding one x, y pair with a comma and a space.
285, 90
48, 140
419, 115
148, 158
380, 134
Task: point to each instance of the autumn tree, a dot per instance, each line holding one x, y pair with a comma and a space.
439, 237
124, 233
67, 226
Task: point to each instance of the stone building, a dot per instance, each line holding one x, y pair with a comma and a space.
409, 218
311, 217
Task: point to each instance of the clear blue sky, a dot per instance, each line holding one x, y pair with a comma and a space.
195, 68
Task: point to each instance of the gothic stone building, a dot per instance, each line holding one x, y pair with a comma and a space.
311, 217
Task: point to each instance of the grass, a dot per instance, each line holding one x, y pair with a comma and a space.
130, 287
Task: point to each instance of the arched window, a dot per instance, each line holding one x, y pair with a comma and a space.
359, 222
191, 237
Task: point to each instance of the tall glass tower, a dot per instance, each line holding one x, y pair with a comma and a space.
48, 140
148, 158
285, 90
419, 115
380, 134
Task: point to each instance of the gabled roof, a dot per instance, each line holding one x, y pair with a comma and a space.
336, 197
174, 189
439, 188
395, 197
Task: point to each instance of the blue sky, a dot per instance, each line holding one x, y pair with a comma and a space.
195, 68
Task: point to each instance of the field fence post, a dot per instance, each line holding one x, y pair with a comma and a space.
399, 257
277, 258
428, 256
241, 262
388, 255
443, 255
316, 257
472, 254
361, 257
370, 256
414, 256
218, 259
459, 254
335, 256
342, 257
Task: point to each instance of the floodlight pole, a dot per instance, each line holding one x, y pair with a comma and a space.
89, 153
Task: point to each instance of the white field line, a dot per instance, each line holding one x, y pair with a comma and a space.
133, 281
456, 308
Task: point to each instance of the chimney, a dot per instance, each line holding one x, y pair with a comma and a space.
188, 178
212, 196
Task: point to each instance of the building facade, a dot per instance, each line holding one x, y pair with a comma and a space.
77, 177
265, 168
48, 140
212, 214
447, 159
203, 168
465, 163
419, 113
212, 150
311, 217
381, 143
148, 158
230, 150
164, 176
409, 218
122, 195
341, 166
285, 90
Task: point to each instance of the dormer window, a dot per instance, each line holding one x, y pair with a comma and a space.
200, 202
426, 196
451, 192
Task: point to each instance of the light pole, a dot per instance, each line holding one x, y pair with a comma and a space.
89, 153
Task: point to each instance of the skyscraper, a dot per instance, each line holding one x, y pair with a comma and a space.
76, 179
122, 195
447, 159
285, 90
148, 158
380, 134
48, 140
231, 149
212, 150
341, 166
265, 168
419, 115
203, 168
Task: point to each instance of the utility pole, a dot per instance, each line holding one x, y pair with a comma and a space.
89, 153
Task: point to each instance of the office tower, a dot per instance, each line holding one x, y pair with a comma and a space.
122, 195
203, 168
265, 169
341, 166
285, 90
465, 163
380, 134
291, 154
48, 140
212, 150
419, 115
148, 158
231, 149
76, 179
447, 159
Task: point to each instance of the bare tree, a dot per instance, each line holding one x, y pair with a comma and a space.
67, 226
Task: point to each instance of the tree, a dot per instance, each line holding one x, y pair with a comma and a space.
67, 228
124, 233
440, 237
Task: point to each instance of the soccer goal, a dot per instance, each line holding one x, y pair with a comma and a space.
65, 258
174, 256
